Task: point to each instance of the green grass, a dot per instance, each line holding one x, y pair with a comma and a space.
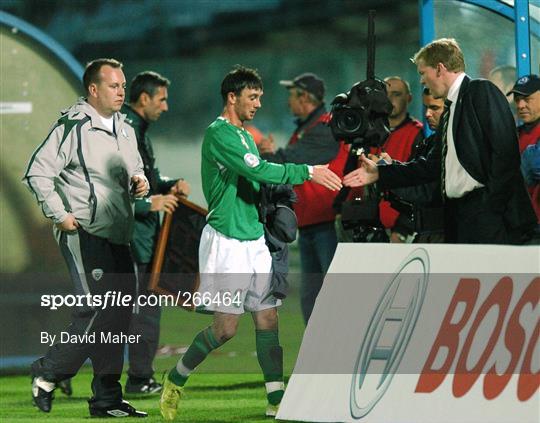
209, 398
227, 387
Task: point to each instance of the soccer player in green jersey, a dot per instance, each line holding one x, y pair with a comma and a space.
234, 261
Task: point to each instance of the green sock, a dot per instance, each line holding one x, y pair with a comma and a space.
177, 378
270, 356
202, 345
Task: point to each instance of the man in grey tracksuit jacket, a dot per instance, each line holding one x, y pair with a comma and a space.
85, 176
83, 169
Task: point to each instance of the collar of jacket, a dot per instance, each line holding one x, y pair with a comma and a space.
314, 115
529, 127
83, 107
133, 118
408, 119
457, 110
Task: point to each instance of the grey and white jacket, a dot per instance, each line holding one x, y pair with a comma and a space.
84, 169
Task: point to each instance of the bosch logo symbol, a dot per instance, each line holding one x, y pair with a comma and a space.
389, 332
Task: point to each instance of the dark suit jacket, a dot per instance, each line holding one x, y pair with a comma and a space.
486, 143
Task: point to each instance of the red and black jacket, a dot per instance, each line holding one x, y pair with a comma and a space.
312, 143
401, 146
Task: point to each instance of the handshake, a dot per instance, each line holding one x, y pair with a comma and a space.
366, 174
322, 175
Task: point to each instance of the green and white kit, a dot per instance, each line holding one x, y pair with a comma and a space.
233, 242
232, 172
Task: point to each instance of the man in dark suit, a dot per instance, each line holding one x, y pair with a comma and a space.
476, 160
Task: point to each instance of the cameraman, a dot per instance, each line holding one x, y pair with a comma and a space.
405, 137
425, 224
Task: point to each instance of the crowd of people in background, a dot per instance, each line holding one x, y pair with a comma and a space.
474, 177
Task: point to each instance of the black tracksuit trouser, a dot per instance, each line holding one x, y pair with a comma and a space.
145, 323
96, 266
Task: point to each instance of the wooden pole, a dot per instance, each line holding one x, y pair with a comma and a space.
159, 254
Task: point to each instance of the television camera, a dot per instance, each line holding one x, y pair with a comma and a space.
360, 118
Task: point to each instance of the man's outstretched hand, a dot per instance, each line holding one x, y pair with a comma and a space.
366, 174
325, 177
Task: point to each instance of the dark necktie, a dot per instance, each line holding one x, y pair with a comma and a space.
444, 147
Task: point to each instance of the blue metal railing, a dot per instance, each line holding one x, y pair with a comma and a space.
49, 43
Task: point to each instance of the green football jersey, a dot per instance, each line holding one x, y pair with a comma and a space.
231, 172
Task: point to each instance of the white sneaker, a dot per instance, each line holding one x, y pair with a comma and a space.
42, 393
272, 410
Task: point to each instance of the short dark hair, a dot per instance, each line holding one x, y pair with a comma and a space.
146, 82
239, 78
91, 72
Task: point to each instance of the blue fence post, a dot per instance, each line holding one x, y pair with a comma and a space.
522, 31
427, 22
427, 34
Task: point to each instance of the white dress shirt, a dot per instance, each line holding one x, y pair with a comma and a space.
458, 182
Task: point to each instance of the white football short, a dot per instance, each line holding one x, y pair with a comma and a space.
235, 275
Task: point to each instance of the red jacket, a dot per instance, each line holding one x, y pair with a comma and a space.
399, 145
528, 134
315, 201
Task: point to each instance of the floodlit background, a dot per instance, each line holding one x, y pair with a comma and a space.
194, 43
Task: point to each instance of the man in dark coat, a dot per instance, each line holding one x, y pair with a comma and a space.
477, 158
148, 100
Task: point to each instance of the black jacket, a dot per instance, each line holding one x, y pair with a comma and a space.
487, 147
315, 143
280, 225
425, 194
425, 199
146, 222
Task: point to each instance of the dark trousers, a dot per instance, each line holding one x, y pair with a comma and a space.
144, 322
317, 244
470, 220
96, 266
